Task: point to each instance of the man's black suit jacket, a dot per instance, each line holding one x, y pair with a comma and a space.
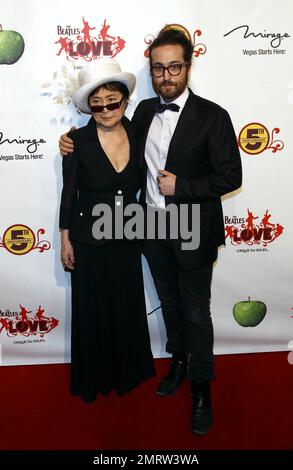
204, 155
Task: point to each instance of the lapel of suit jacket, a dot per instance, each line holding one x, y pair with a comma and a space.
187, 121
148, 115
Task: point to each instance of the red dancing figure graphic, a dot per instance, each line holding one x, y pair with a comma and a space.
118, 45
249, 220
86, 31
40, 314
104, 32
265, 220
64, 45
23, 313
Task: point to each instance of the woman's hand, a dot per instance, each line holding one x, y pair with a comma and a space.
66, 145
67, 252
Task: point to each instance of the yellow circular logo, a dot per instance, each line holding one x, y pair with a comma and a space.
254, 138
19, 239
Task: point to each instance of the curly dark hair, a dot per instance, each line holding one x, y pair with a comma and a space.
171, 36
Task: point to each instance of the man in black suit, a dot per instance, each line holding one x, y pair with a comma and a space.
188, 154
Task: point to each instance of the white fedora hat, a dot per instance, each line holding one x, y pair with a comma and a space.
98, 73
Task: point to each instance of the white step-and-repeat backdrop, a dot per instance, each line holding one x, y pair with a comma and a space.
243, 60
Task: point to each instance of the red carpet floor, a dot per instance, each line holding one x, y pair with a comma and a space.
252, 401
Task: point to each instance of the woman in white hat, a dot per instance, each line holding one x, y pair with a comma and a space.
110, 339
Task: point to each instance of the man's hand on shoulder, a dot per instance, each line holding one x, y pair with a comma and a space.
66, 144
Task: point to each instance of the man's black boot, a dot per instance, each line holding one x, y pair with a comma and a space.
171, 382
201, 415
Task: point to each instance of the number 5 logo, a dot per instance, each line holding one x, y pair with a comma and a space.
253, 138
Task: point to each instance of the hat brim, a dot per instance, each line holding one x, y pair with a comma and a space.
80, 98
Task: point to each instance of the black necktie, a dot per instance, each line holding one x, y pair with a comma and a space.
161, 107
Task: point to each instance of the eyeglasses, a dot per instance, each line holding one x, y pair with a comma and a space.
173, 69
111, 106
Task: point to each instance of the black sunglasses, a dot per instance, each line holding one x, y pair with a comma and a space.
111, 106
158, 71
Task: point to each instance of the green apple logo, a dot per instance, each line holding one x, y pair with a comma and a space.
11, 46
249, 312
